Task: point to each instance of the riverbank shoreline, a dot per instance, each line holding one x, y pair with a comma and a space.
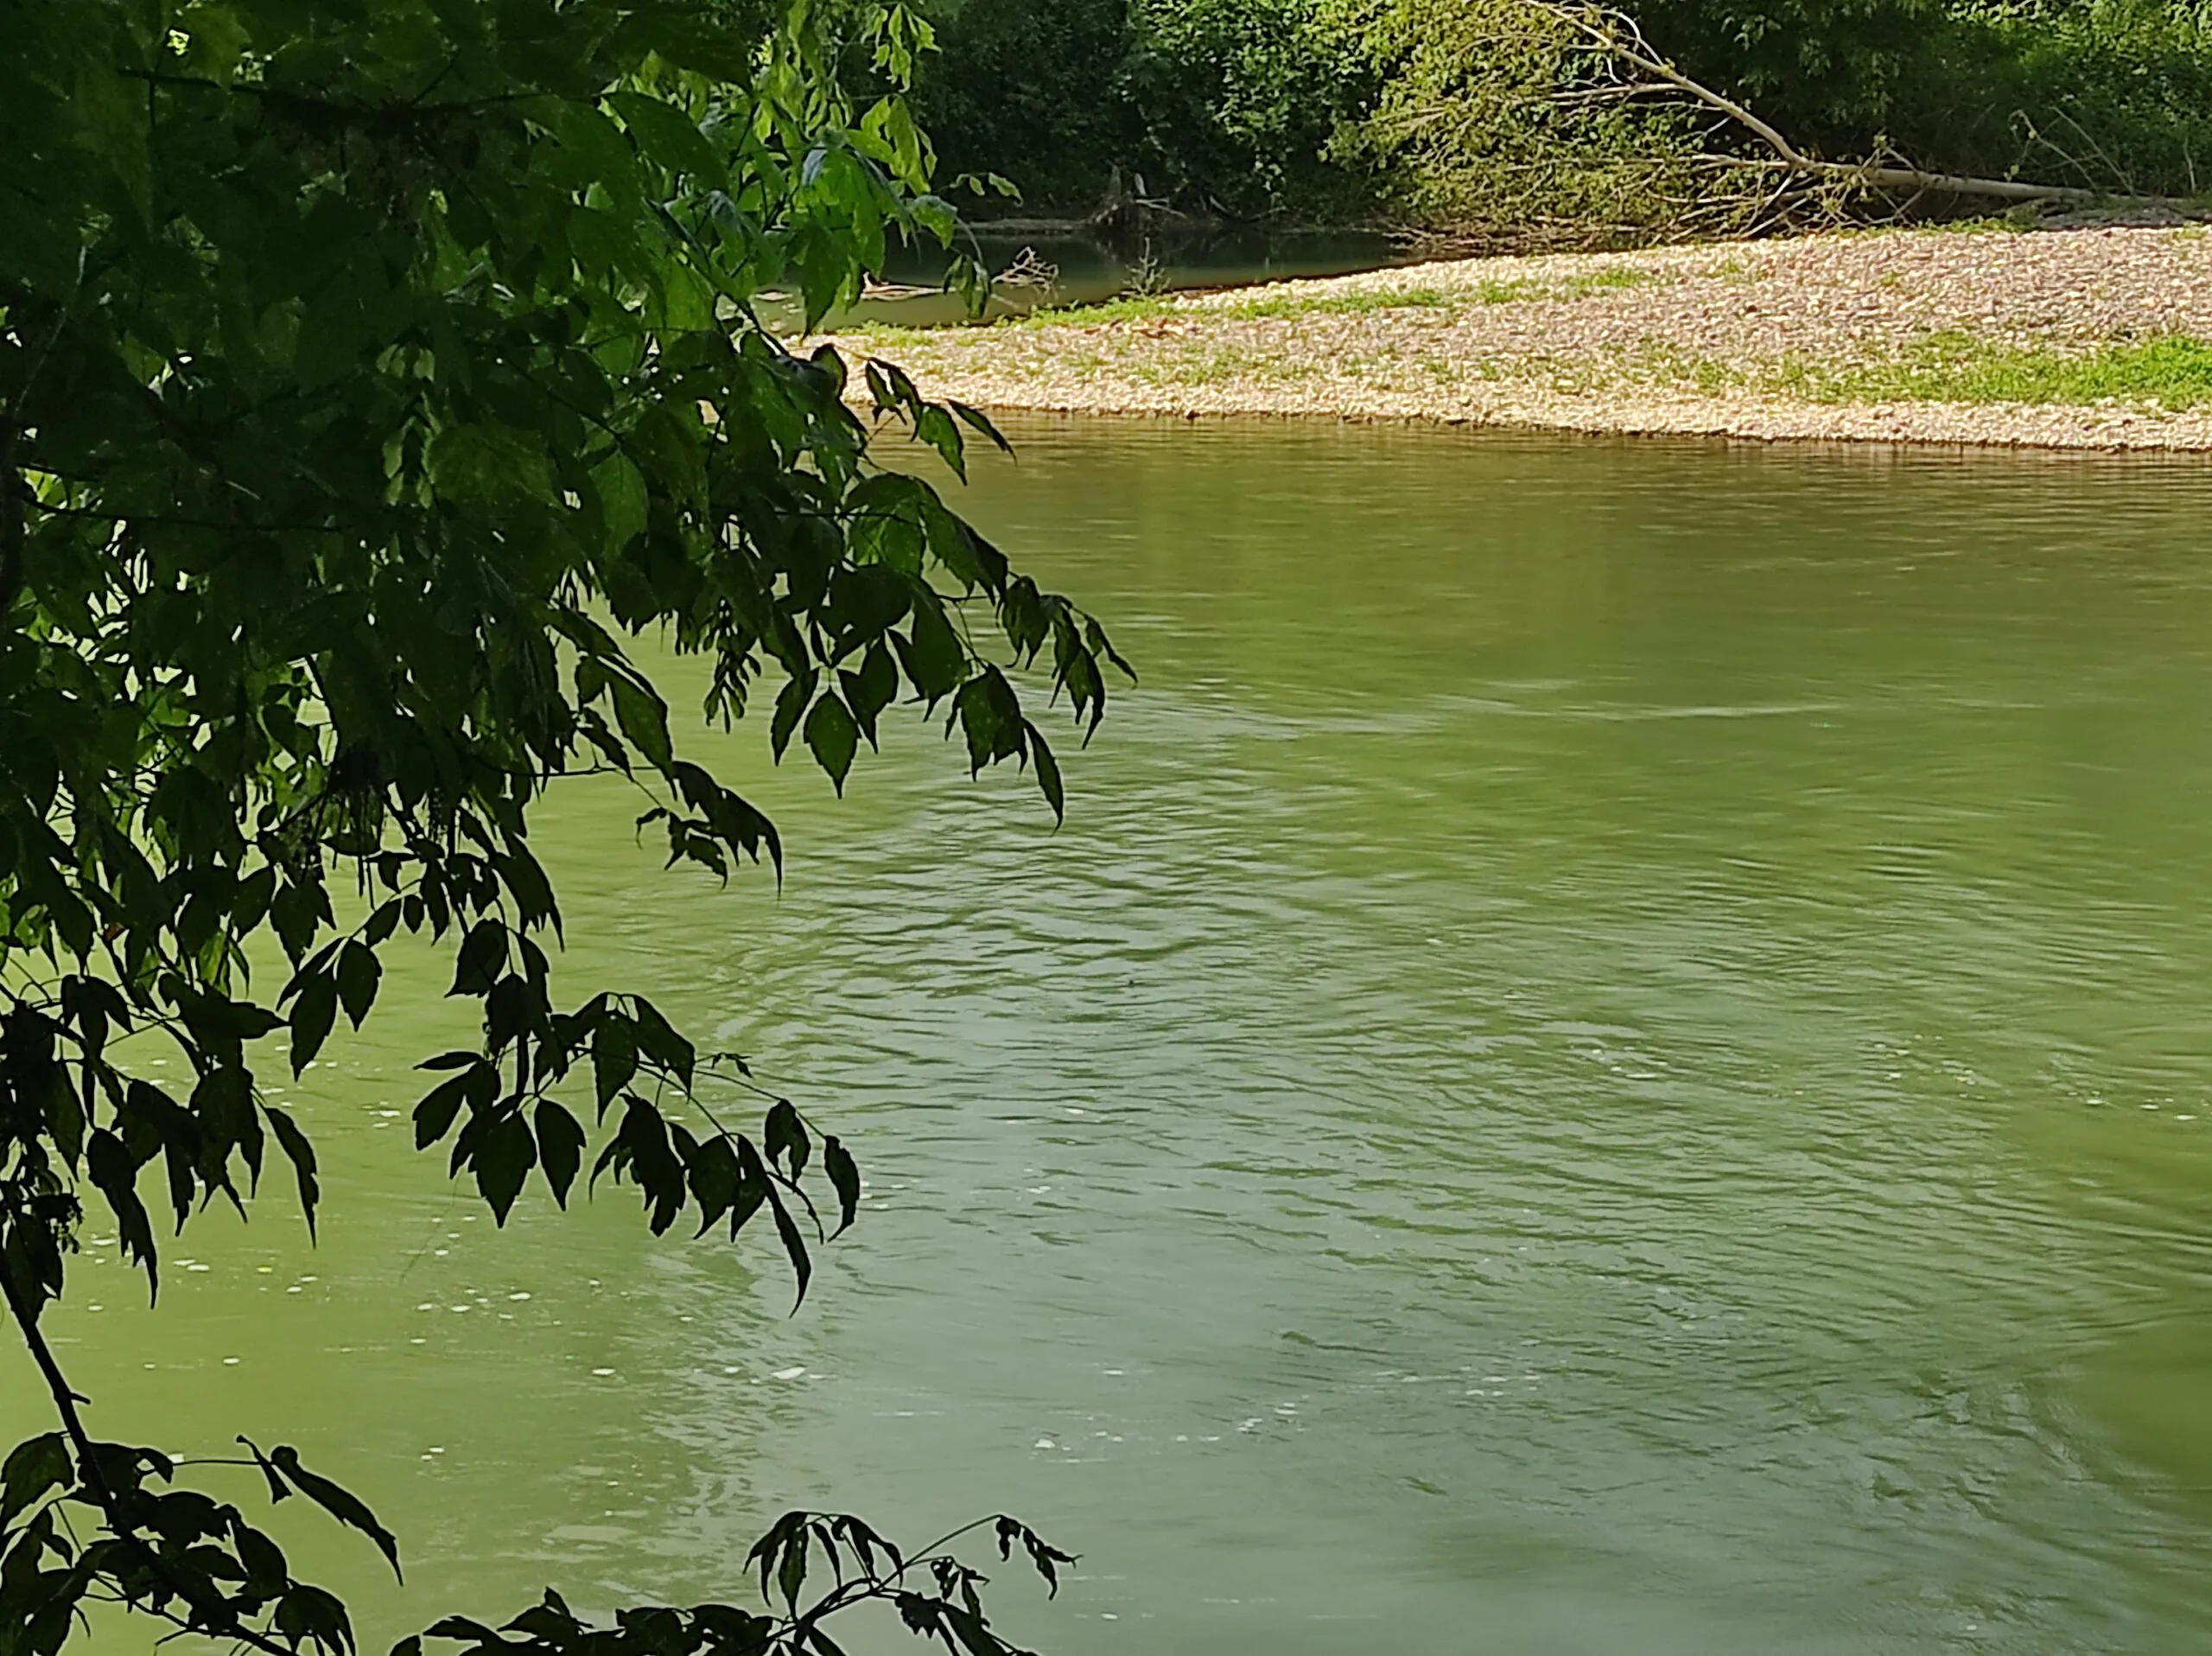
2089, 339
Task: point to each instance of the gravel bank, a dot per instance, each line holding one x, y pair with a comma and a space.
1881, 336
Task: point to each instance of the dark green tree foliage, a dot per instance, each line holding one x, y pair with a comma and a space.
2116, 94
1030, 93
370, 371
1235, 103
1289, 107
1220, 105
1828, 69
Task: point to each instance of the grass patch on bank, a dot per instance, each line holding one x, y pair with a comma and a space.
2173, 372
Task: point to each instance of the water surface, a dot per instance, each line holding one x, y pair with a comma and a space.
1614, 1055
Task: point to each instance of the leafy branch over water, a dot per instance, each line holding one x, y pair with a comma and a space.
368, 375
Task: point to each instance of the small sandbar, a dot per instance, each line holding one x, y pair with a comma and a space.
2095, 338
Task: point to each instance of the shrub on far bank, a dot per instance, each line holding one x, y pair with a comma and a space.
1237, 102
1221, 106
1029, 89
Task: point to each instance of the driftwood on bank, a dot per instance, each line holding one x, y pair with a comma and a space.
1620, 40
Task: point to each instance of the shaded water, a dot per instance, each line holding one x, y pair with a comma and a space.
1616, 1055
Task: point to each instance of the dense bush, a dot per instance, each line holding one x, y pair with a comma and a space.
1236, 101
1250, 107
2114, 93
2117, 93
1029, 89
1224, 104
1829, 71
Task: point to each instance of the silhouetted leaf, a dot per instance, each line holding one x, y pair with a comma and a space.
787, 1232
503, 1162
845, 1177
560, 1148
32, 1469
358, 973
301, 1154
314, 1008
784, 1137
834, 738
342, 1505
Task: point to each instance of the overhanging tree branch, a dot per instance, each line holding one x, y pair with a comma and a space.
209, 1616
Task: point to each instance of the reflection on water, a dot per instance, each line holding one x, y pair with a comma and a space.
1614, 1055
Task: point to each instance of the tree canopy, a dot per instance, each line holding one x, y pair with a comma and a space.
1449, 113
372, 374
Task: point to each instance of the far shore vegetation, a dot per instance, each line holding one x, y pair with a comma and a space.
1508, 118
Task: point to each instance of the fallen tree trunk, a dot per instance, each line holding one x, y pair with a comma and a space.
1619, 38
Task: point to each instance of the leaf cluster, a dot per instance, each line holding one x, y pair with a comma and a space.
86, 1522
373, 376
935, 1594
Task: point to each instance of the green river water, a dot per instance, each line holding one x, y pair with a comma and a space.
1616, 1056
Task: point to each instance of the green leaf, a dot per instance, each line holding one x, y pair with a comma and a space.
990, 717
314, 1010
309, 1615
668, 136
791, 708
114, 1173
934, 658
298, 1151
871, 689
785, 1138
936, 427
217, 39
622, 497
482, 958
833, 736
716, 1178
660, 1040
266, 1570
600, 155
644, 718
787, 1232
358, 973
33, 1468
1048, 773
435, 1115
613, 1058
980, 421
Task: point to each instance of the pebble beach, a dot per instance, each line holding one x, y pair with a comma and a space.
1984, 337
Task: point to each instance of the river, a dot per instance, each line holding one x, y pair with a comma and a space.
1616, 1055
